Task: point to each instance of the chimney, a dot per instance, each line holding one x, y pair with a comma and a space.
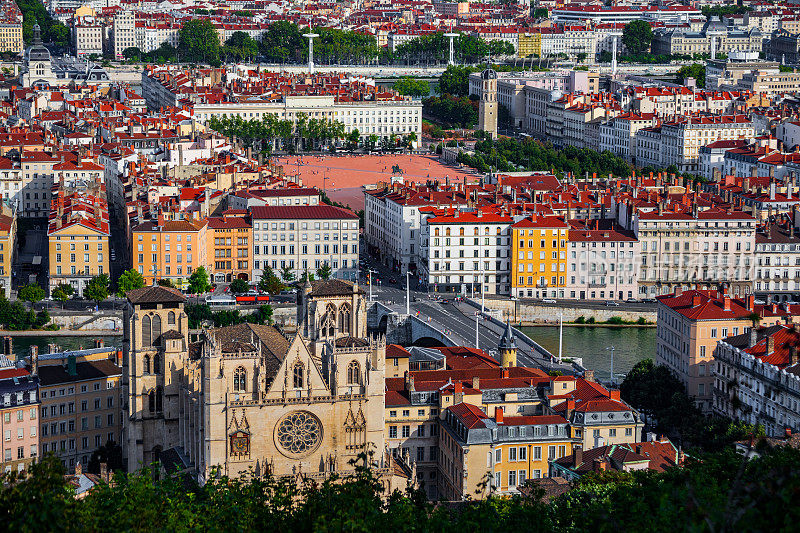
78, 469
570, 408
476, 382
411, 386
599, 464
770, 344
793, 360
498, 415
678, 291
588, 375
99, 343
696, 300
726, 303
577, 456
104, 473
753, 337
614, 394
751, 301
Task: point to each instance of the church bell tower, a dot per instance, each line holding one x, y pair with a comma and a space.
508, 348
487, 107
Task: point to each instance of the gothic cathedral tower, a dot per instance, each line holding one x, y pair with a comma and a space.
487, 107
155, 343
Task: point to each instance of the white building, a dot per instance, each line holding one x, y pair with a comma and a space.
303, 238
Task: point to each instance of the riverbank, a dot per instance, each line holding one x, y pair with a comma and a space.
61, 333
576, 325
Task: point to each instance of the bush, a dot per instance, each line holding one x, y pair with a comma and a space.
580, 320
590, 320
615, 320
641, 321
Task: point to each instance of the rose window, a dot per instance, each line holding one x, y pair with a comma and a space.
299, 433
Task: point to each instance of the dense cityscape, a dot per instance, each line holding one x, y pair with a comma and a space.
420, 264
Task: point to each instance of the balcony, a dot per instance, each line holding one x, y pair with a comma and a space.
597, 285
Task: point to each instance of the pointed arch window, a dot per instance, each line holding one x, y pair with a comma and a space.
344, 319
159, 399
156, 328
146, 364
156, 364
171, 318
151, 401
240, 379
354, 373
146, 331
298, 375
329, 321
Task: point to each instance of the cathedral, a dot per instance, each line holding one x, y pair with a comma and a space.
247, 398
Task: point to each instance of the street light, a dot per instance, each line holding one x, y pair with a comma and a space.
477, 343
369, 276
612, 362
408, 292
560, 334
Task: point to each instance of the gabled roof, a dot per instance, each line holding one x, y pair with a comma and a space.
155, 294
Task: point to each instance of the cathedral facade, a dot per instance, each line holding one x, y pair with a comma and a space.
246, 398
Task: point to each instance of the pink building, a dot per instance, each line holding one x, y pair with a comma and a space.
19, 413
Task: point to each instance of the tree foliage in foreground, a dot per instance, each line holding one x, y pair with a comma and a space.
723, 492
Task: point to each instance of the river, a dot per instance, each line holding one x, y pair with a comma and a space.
22, 345
631, 345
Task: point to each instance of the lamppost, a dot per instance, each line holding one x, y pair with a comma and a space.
369, 275
408, 292
477, 327
612, 362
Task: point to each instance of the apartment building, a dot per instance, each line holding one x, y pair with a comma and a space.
602, 261
770, 82
11, 28
681, 139
87, 36
777, 262
38, 175
169, 249
231, 239
303, 238
695, 248
539, 257
691, 323
8, 247
260, 197
78, 234
757, 378
506, 449
19, 411
81, 402
11, 181
618, 135
466, 252
123, 32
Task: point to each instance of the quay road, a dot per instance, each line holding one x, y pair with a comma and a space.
457, 321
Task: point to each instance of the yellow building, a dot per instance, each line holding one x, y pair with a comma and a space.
78, 236
530, 45
169, 249
539, 257
230, 237
480, 453
8, 238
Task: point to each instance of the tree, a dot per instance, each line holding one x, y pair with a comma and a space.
696, 71
324, 272
239, 286
265, 313
455, 80
198, 41
166, 282
132, 52
97, 288
283, 41
287, 274
198, 281
409, 86
63, 292
31, 293
109, 453
129, 280
241, 45
306, 277
637, 36
269, 282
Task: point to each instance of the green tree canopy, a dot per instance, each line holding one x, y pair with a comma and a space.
287, 274
283, 42
324, 271
129, 280
241, 46
269, 282
455, 80
198, 41
239, 286
63, 292
198, 281
409, 86
696, 71
31, 293
637, 36
97, 288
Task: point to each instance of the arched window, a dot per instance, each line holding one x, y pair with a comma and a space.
146, 364
329, 321
171, 318
151, 401
146, 331
461, 231
353, 373
156, 328
447, 232
297, 375
240, 379
156, 364
344, 319
159, 399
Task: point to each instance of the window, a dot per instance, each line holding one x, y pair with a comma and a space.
240, 379
156, 364
512, 454
344, 319
512, 478
353, 373
171, 318
523, 453
628, 432
406, 431
392, 432
498, 455
146, 364
297, 374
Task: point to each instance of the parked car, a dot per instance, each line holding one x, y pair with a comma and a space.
548, 301
649, 300
611, 303
632, 300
